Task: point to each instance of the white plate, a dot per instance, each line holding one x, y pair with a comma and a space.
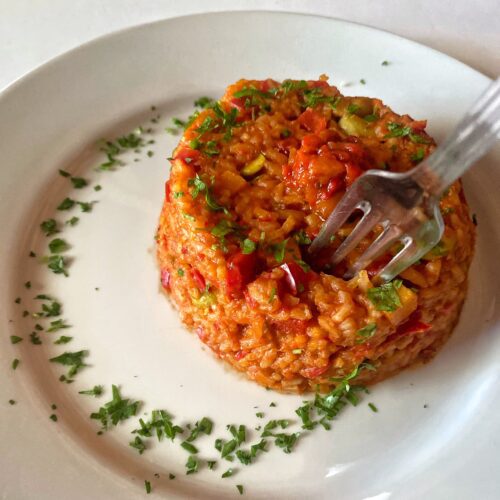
51, 119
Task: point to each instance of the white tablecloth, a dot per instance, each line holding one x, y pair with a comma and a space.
34, 31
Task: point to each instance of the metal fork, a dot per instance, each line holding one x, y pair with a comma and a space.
406, 206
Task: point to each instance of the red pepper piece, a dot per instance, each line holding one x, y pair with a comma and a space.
316, 84
167, 190
165, 279
198, 279
412, 326
314, 372
295, 277
240, 355
312, 121
187, 155
352, 173
240, 271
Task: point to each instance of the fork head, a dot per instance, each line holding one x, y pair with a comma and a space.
397, 204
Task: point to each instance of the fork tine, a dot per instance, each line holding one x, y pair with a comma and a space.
407, 256
362, 228
337, 219
382, 243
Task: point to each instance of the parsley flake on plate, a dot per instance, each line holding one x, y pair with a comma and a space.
115, 411
95, 391
72, 359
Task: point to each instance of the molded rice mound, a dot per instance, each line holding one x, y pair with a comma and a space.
253, 178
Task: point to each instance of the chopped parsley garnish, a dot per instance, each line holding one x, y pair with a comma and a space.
418, 156
228, 473
27, 285
228, 119
352, 108
273, 424
53, 417
14, 339
204, 102
180, 272
398, 130
63, 339
259, 414
161, 423
18, 300
188, 216
12, 402
86, 206
385, 63
301, 238
191, 465
63, 173
95, 391
200, 186
116, 410
272, 295
49, 227
58, 245
367, 332
239, 487
304, 412
285, 133
73, 221
371, 118
66, 204
48, 310
474, 219
35, 338
74, 360
211, 464
373, 407
248, 246
147, 485
138, 444
286, 441
171, 476
290, 86
272, 404
279, 250
189, 447
362, 81
32, 254
204, 426
78, 182
15, 363
385, 297
98, 187
57, 264
58, 324
178, 194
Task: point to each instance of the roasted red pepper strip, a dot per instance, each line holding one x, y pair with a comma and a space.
240, 271
314, 372
295, 277
198, 279
411, 327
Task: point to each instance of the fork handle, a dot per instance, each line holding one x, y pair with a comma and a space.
470, 140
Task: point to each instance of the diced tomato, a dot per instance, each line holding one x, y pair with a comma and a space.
317, 84
352, 173
187, 155
412, 326
315, 372
334, 185
240, 271
377, 265
165, 279
250, 300
198, 279
419, 125
240, 355
201, 333
291, 326
310, 143
265, 85
312, 121
237, 102
295, 277
167, 190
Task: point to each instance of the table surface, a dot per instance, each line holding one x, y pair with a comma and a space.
34, 31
